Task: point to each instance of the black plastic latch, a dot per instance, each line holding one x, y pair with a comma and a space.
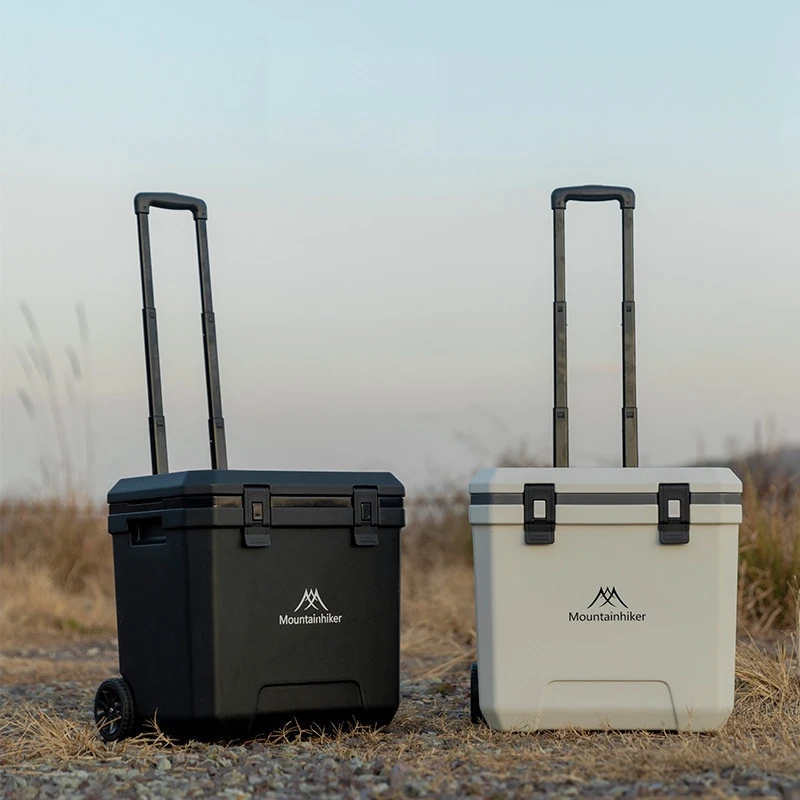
256, 516
365, 516
539, 502
674, 501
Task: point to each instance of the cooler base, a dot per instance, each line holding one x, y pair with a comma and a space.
239, 728
607, 705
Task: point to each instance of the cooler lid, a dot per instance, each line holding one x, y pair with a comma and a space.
673, 498
603, 480
233, 482
256, 501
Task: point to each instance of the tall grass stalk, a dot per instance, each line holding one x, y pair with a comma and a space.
44, 403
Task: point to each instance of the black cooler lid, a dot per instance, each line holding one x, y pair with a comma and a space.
257, 500
233, 481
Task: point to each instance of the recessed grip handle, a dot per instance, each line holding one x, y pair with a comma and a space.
593, 194
169, 200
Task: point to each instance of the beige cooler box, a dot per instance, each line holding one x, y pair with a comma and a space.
605, 598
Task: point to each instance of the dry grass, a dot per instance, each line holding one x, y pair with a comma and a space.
431, 735
769, 563
763, 732
56, 573
31, 734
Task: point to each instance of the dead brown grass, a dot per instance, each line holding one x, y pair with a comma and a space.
432, 736
769, 558
33, 734
56, 575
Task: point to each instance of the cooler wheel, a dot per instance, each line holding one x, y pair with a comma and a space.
113, 710
474, 698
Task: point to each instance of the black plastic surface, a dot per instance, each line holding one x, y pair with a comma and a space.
233, 481
144, 201
674, 530
202, 645
199, 606
593, 194
540, 530
114, 711
475, 713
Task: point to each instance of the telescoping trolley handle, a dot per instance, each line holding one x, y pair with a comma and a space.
216, 425
630, 439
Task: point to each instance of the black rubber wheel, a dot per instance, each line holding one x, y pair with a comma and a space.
474, 698
113, 710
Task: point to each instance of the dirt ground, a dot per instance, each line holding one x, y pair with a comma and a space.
49, 748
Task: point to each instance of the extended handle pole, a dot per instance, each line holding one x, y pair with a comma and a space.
156, 421
216, 424
630, 437
560, 404
630, 415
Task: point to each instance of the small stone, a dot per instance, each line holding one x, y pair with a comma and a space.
345, 773
377, 766
397, 775
93, 651
163, 764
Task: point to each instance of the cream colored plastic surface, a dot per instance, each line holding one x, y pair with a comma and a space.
663, 659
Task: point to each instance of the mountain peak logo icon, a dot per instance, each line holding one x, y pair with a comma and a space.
312, 600
608, 596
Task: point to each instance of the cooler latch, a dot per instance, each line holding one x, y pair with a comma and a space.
256, 516
539, 502
365, 516
674, 501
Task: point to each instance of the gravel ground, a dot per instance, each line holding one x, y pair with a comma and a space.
431, 749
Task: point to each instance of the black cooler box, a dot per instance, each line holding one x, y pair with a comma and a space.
247, 599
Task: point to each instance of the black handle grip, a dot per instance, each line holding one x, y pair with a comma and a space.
592, 194
170, 200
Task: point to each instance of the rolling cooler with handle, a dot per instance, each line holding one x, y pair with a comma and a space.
605, 597
245, 598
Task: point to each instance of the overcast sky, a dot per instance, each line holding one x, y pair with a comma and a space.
378, 178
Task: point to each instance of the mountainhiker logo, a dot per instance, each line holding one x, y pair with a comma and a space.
610, 597
311, 598
310, 601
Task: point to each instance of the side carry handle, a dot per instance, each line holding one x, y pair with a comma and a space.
630, 437
216, 424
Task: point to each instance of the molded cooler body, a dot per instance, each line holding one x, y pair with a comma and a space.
606, 627
247, 599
